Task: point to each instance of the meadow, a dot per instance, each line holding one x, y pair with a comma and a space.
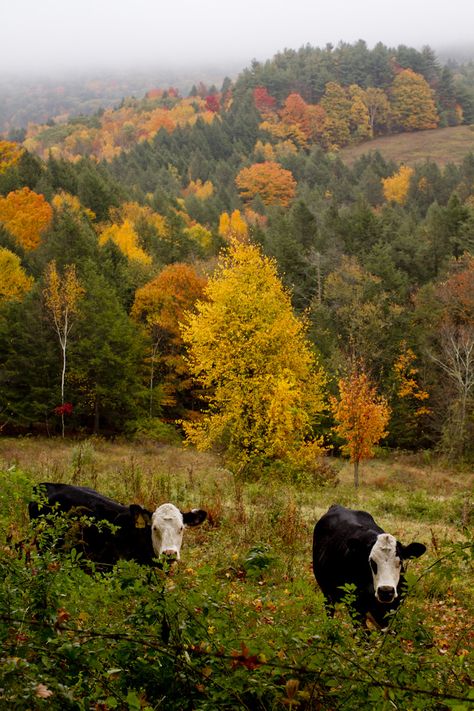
240, 622
441, 146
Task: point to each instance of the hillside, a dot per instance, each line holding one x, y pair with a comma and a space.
442, 146
133, 208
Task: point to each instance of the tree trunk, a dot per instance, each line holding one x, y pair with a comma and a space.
356, 474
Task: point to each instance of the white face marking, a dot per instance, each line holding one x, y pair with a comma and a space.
167, 529
385, 566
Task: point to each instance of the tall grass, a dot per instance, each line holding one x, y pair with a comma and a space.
240, 623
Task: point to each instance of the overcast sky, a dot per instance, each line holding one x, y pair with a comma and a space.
60, 35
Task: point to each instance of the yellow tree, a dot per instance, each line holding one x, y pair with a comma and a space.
61, 296
361, 418
126, 239
395, 187
412, 102
250, 354
10, 153
14, 282
233, 226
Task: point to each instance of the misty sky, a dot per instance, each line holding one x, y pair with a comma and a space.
55, 36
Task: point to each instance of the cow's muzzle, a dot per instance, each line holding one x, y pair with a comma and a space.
386, 593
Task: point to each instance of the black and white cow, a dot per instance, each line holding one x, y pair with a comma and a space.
137, 534
350, 548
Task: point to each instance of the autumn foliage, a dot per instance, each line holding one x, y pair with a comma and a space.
361, 418
160, 305
14, 282
26, 215
249, 353
9, 154
272, 183
395, 187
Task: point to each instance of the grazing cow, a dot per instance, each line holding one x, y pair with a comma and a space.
349, 548
136, 533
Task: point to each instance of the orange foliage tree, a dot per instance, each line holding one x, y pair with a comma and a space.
26, 215
160, 306
274, 184
361, 418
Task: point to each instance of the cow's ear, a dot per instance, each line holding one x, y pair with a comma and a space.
194, 517
141, 517
413, 550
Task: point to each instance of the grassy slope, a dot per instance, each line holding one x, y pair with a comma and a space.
412, 499
442, 145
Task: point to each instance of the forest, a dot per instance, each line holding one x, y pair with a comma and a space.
209, 267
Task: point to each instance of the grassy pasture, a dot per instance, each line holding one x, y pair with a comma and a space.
441, 145
240, 623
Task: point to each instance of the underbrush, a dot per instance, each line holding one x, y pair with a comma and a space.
239, 623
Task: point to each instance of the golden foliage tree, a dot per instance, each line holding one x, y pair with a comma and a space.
395, 187
412, 102
26, 215
233, 226
14, 282
126, 239
337, 106
250, 353
10, 153
361, 418
61, 296
275, 185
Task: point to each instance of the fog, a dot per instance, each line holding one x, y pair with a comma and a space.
60, 36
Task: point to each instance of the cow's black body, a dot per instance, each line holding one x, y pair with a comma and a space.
342, 541
131, 539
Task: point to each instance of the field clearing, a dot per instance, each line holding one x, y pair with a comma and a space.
243, 601
441, 145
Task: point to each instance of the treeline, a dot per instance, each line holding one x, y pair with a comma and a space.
329, 97
101, 261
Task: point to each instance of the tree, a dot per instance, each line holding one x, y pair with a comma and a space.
361, 418
10, 153
26, 215
337, 106
274, 184
15, 283
395, 187
160, 305
408, 401
412, 103
378, 106
107, 359
62, 295
233, 226
250, 353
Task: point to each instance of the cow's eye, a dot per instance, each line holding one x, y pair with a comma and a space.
373, 565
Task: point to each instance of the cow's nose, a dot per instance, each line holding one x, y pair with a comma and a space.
386, 593
170, 554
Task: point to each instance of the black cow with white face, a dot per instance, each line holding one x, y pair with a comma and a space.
137, 534
350, 548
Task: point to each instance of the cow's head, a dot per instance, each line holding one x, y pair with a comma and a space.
386, 563
167, 528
